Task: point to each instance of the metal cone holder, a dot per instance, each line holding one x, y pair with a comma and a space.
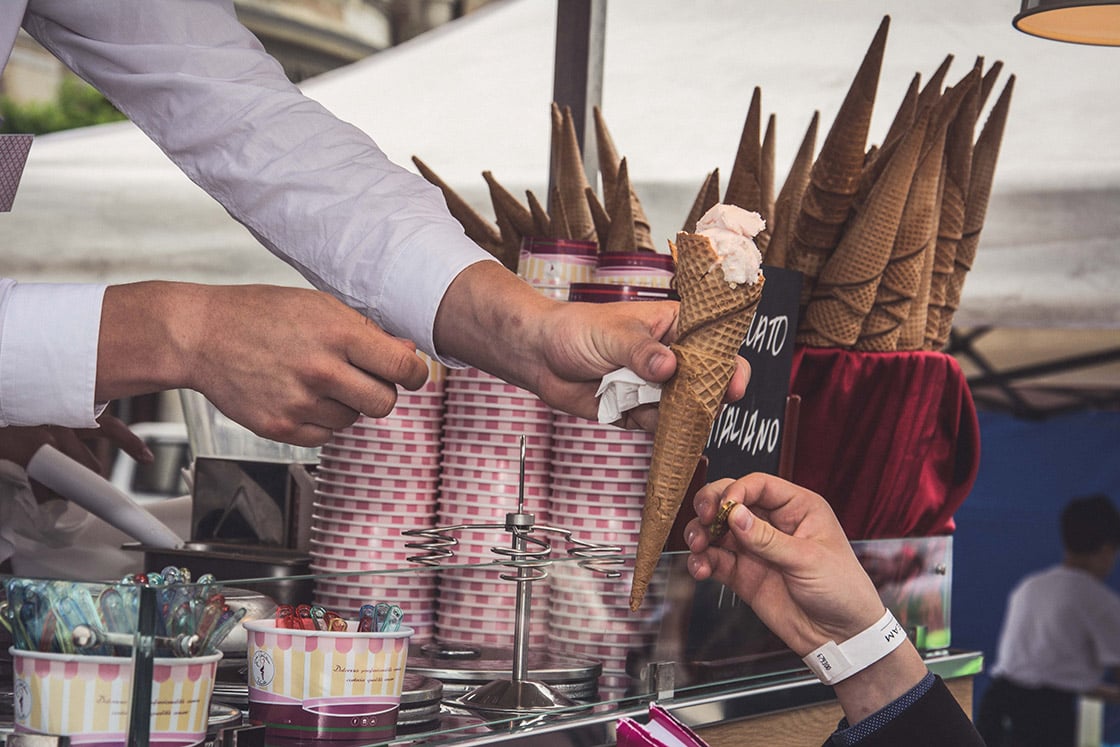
529, 554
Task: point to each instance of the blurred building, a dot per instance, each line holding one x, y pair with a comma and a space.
308, 37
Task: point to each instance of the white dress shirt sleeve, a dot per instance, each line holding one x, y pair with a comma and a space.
314, 190
48, 353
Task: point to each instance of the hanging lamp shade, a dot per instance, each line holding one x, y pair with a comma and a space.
1077, 21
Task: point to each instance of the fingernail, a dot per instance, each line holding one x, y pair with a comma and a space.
689, 536
147, 456
741, 520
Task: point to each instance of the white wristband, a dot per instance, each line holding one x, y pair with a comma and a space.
834, 662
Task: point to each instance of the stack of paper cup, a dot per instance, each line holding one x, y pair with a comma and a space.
485, 420
551, 265
598, 481
376, 479
634, 268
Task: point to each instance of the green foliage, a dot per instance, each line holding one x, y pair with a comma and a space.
76, 105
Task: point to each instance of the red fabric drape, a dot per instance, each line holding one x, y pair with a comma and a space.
891, 440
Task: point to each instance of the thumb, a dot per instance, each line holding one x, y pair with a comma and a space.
651, 360
760, 538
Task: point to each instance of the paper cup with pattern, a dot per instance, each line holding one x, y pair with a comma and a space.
312, 684
88, 698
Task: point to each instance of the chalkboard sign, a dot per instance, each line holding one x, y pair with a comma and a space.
747, 435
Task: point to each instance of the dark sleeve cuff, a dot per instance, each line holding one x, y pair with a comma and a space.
926, 715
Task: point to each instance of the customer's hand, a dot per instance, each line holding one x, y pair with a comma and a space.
290, 364
786, 555
493, 320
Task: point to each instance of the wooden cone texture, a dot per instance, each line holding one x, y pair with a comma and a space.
835, 175
845, 291
715, 317
788, 202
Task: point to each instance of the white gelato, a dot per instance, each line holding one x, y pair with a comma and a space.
732, 230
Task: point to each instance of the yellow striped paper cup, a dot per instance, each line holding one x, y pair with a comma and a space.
88, 698
312, 684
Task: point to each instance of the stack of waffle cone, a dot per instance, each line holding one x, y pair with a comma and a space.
849, 281
984, 157
714, 318
835, 176
788, 202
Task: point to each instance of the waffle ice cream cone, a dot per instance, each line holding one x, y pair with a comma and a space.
744, 186
706, 199
542, 224
788, 202
571, 179
984, 157
608, 153
845, 291
766, 180
629, 225
478, 229
598, 214
917, 236
715, 315
958, 165
931, 91
835, 176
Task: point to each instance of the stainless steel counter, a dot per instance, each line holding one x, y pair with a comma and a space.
698, 707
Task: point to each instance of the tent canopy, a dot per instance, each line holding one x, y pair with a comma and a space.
104, 204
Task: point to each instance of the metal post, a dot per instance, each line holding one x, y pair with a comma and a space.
578, 72
143, 667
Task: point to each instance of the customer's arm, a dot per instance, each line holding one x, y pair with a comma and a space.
786, 555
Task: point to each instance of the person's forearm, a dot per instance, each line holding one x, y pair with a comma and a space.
147, 331
880, 684
491, 319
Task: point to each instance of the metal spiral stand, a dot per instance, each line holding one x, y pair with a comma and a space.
530, 555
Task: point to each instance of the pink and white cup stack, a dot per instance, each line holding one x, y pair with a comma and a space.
376, 479
485, 420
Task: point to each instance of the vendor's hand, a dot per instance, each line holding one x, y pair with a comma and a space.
786, 555
19, 444
493, 320
290, 364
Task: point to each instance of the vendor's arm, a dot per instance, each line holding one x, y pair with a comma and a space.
314, 190
788, 558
